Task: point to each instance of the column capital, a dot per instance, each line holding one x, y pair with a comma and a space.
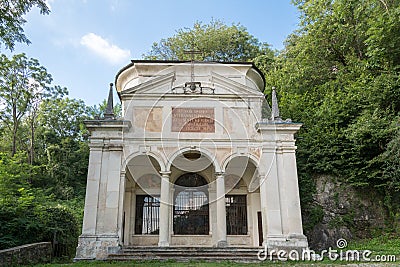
165, 173
219, 174
115, 147
93, 146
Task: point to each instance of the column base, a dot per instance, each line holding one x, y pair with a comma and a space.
96, 247
288, 244
222, 244
163, 244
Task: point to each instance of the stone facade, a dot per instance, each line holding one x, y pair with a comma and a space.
191, 132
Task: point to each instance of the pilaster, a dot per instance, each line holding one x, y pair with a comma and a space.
103, 211
126, 220
269, 196
92, 189
279, 191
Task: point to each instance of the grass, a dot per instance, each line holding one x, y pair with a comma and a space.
383, 245
186, 264
212, 264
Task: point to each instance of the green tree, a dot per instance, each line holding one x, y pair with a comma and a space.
63, 117
63, 151
23, 84
339, 75
216, 41
97, 111
44, 201
17, 201
28, 214
12, 19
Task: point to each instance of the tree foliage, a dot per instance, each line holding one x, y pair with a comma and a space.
12, 19
43, 147
36, 116
215, 41
35, 198
24, 83
64, 151
339, 75
28, 214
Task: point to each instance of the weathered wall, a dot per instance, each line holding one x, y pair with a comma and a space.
346, 212
26, 254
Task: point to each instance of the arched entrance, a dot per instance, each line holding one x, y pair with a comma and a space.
191, 205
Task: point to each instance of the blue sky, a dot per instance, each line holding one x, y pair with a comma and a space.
84, 43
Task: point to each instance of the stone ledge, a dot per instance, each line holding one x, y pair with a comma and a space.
26, 254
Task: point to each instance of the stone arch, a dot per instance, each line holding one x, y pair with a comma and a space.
246, 169
156, 156
211, 157
253, 159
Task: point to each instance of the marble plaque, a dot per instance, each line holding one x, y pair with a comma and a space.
195, 120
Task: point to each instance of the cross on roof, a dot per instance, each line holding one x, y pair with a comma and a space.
192, 52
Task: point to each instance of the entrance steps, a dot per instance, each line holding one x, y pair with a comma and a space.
186, 254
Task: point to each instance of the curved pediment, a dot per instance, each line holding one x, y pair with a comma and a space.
149, 77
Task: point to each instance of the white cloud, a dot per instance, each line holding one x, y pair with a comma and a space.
103, 48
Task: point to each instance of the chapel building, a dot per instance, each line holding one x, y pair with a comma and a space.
197, 159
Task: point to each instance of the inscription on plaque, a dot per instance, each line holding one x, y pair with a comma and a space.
195, 120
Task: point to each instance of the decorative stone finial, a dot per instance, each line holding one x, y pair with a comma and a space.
109, 113
275, 107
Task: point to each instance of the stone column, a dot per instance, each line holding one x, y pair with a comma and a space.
100, 234
101, 231
221, 210
114, 192
290, 183
279, 192
282, 189
128, 211
133, 216
164, 234
212, 196
270, 198
92, 189
121, 208
171, 210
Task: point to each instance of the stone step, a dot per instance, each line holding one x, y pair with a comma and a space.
172, 254
238, 254
190, 249
187, 259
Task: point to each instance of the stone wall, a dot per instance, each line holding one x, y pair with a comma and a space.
26, 254
346, 212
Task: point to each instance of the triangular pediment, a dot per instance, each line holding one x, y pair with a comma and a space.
171, 83
224, 85
160, 84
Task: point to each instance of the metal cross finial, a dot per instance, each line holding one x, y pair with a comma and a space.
192, 52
